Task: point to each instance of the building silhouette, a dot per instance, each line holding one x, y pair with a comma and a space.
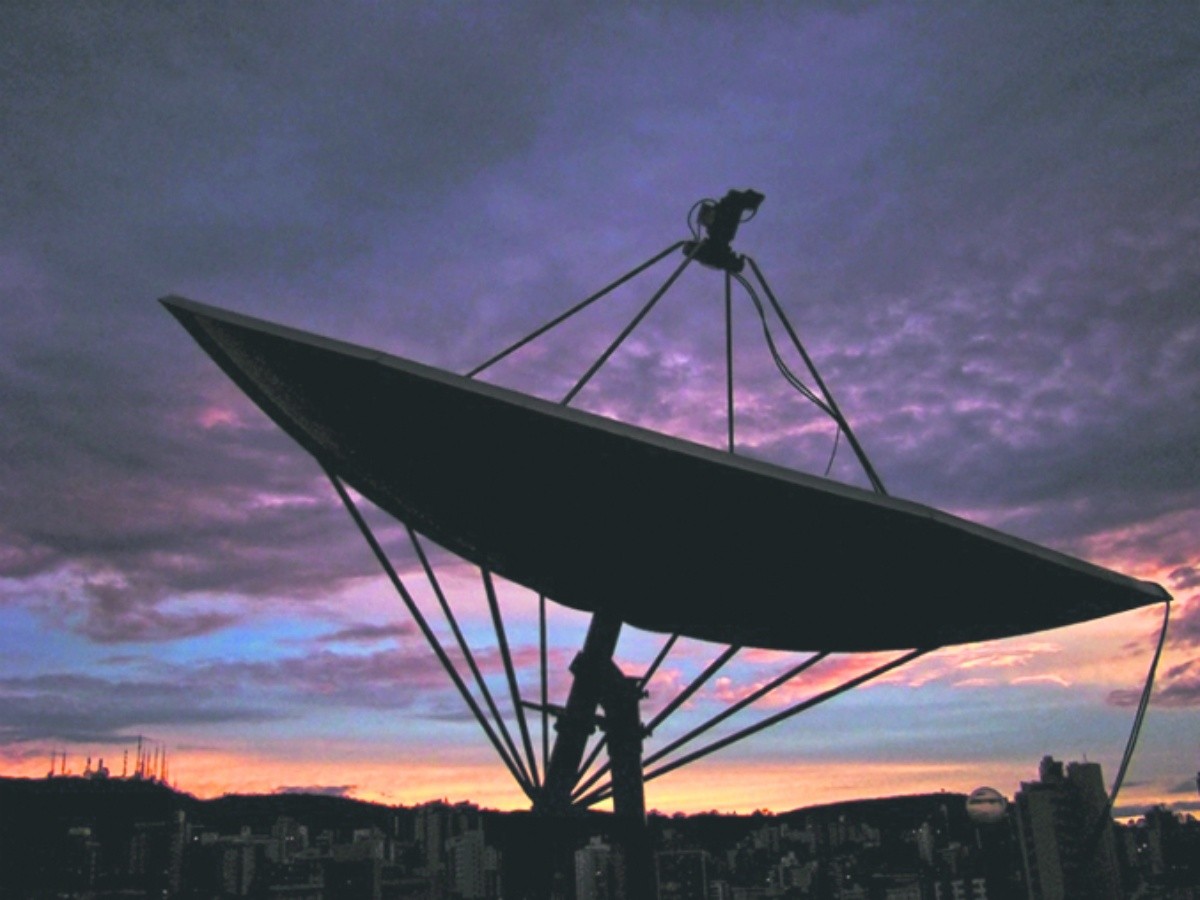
474, 866
599, 872
682, 874
1065, 832
83, 838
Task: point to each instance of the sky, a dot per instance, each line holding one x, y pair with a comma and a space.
982, 219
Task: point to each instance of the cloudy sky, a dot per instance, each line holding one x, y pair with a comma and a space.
983, 219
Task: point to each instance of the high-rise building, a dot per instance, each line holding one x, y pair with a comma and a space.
681, 874
474, 866
1068, 851
288, 838
599, 872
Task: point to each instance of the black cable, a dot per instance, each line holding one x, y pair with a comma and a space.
837, 436
693, 226
729, 394
1136, 730
789, 376
864, 461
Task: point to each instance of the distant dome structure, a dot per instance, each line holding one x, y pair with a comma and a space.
986, 806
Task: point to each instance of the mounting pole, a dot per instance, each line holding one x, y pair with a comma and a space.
593, 667
599, 682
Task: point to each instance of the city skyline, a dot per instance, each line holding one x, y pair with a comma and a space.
977, 218
77, 837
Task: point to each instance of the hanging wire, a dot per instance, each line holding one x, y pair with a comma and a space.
729, 410
788, 375
692, 223
837, 435
863, 459
1139, 717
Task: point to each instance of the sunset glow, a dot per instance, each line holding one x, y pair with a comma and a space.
978, 218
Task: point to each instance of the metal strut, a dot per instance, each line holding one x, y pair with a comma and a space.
612, 348
465, 649
510, 673
604, 793
578, 307
543, 668
513, 763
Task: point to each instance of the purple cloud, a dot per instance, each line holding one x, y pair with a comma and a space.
84, 708
1183, 787
1179, 687
973, 218
367, 633
1185, 625
121, 614
1185, 578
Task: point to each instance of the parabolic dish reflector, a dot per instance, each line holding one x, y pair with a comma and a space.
668, 535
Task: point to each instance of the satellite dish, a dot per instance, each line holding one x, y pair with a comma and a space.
986, 806
661, 533
639, 528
